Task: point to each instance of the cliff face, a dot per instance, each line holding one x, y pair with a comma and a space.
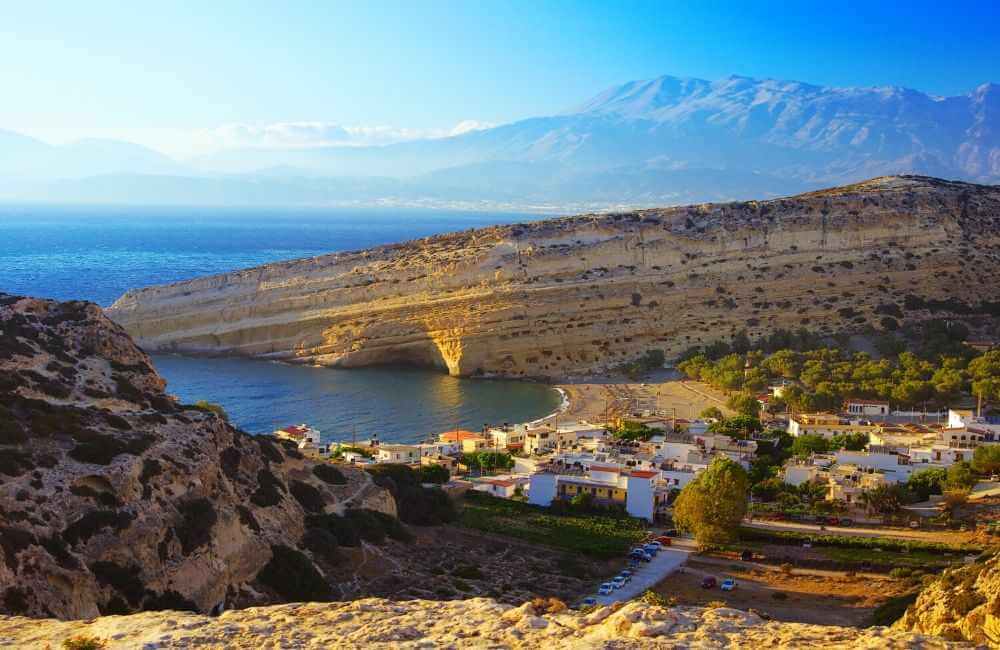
962, 605
587, 292
113, 498
474, 623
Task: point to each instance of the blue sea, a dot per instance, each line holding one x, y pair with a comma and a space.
97, 253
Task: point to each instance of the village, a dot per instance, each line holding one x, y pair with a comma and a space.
639, 459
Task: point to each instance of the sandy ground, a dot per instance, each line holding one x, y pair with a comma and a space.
945, 537
595, 398
821, 599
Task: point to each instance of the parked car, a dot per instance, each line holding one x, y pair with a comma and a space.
640, 554
664, 541
589, 601
605, 589
652, 549
618, 582
708, 582
847, 522
728, 584
626, 573
670, 532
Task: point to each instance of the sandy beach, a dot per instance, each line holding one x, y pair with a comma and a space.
596, 398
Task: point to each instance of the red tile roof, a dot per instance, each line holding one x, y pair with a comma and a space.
643, 473
458, 435
604, 468
499, 482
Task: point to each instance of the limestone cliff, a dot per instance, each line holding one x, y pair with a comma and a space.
587, 292
114, 498
963, 605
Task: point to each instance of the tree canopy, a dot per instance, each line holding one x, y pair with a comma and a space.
712, 505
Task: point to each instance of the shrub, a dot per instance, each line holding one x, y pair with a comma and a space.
416, 504
468, 571
15, 601
893, 609
198, 517
433, 474
269, 489
83, 642
900, 572
308, 496
209, 407
293, 576
323, 544
650, 597
329, 474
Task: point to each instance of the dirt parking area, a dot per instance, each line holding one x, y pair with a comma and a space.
819, 599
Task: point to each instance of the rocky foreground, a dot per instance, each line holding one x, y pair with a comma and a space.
585, 293
115, 498
475, 623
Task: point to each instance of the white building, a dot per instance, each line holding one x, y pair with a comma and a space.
397, 454
503, 487
827, 425
300, 433
857, 406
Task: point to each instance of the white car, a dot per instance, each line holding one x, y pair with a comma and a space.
618, 582
605, 589
728, 584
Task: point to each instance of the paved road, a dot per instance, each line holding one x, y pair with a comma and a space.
649, 574
858, 531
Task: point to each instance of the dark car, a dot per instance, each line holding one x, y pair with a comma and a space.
846, 522
709, 582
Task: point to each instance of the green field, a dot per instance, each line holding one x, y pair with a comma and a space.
599, 536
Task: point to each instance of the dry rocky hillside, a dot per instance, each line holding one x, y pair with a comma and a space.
963, 604
114, 498
584, 293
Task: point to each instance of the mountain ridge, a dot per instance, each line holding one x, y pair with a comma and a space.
625, 146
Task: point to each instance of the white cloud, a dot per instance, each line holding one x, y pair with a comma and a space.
466, 126
184, 143
285, 135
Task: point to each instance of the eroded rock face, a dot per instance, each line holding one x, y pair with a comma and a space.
588, 292
114, 498
474, 623
963, 604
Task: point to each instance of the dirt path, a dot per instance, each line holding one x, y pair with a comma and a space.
945, 537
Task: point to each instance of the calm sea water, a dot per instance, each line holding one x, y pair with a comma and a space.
97, 253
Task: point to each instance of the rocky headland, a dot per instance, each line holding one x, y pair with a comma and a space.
115, 498
590, 292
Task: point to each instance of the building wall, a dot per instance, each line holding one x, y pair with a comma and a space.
640, 499
543, 489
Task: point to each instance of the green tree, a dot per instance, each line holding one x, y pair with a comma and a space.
849, 441
741, 426
986, 459
810, 444
960, 477
884, 499
434, 474
744, 404
711, 413
926, 482
713, 504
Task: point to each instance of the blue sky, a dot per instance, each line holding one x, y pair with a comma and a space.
154, 72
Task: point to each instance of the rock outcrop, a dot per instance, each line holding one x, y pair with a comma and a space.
114, 498
963, 604
474, 623
584, 293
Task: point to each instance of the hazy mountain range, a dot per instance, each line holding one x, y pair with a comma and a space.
663, 141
